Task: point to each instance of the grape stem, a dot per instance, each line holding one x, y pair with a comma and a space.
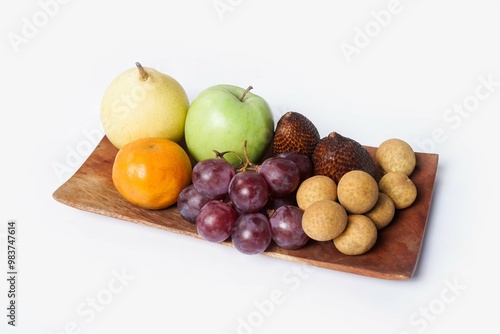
248, 165
220, 155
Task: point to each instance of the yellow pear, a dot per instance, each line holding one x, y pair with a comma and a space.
143, 102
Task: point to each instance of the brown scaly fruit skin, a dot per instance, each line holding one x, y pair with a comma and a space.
295, 133
336, 155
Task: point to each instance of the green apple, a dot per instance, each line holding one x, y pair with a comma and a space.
143, 102
222, 118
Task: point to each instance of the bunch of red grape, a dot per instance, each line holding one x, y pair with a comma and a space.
253, 205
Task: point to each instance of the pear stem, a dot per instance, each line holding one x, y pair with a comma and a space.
142, 71
245, 93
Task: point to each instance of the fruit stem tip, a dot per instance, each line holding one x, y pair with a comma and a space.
245, 93
142, 71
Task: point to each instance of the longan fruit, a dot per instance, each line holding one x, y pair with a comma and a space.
383, 211
324, 220
400, 188
358, 237
396, 155
357, 191
314, 189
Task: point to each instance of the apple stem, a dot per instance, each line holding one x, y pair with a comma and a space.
142, 71
245, 93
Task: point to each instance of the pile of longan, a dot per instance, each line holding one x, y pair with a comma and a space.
351, 212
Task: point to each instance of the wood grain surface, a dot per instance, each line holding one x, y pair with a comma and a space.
394, 256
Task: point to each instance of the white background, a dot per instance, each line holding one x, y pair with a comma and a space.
429, 56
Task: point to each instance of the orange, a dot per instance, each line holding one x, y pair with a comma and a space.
151, 172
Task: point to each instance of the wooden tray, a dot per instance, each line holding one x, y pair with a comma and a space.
394, 256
